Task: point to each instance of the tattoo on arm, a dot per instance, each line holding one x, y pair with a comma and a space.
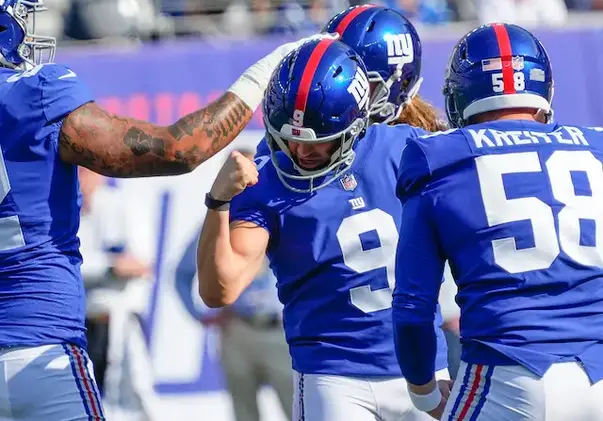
123, 147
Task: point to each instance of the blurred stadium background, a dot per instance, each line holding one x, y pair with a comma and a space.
160, 59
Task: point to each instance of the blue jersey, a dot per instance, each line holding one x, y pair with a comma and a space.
41, 290
262, 149
517, 209
333, 254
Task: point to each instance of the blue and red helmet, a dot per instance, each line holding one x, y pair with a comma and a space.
497, 66
20, 47
391, 49
319, 93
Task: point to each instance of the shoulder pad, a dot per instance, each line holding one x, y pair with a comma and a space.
441, 133
52, 88
47, 71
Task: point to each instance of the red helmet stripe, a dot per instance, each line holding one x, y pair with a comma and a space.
506, 57
308, 74
345, 22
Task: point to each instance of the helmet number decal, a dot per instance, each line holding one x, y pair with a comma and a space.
359, 88
400, 49
298, 118
498, 85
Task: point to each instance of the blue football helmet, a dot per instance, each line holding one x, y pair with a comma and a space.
497, 66
319, 93
391, 49
20, 47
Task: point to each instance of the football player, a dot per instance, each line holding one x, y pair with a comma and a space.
324, 210
390, 47
49, 124
514, 202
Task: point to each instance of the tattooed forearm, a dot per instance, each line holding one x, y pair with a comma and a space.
141, 143
123, 147
217, 122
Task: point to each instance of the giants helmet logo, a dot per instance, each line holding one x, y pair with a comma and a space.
400, 50
359, 88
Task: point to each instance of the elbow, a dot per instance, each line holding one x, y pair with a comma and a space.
214, 295
216, 300
213, 301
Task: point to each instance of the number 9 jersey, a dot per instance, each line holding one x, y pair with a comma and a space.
41, 290
516, 207
333, 254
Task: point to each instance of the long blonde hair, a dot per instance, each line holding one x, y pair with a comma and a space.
420, 113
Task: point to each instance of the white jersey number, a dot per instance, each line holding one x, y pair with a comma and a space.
260, 161
548, 241
11, 235
356, 258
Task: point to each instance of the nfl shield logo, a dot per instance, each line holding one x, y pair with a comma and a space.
348, 182
517, 63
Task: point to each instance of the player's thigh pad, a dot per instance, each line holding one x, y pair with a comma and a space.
512, 393
320, 397
50, 383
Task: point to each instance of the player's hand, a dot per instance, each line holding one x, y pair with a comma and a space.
445, 387
125, 266
238, 172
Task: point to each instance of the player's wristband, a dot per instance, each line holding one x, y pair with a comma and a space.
427, 402
215, 204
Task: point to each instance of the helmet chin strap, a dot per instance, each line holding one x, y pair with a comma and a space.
545, 117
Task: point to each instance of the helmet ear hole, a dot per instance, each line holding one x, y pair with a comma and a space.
291, 59
337, 72
463, 52
371, 26
3, 28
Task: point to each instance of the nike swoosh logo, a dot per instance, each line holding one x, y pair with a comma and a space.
68, 75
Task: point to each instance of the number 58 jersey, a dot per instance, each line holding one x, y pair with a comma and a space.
517, 207
333, 253
41, 290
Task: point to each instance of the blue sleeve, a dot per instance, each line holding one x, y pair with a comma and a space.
414, 170
248, 206
419, 272
62, 91
262, 149
262, 154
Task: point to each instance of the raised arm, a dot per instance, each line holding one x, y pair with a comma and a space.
229, 256
123, 147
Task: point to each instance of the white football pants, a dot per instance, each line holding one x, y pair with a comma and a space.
321, 397
512, 393
49, 383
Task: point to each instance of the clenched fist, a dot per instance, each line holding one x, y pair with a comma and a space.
238, 172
